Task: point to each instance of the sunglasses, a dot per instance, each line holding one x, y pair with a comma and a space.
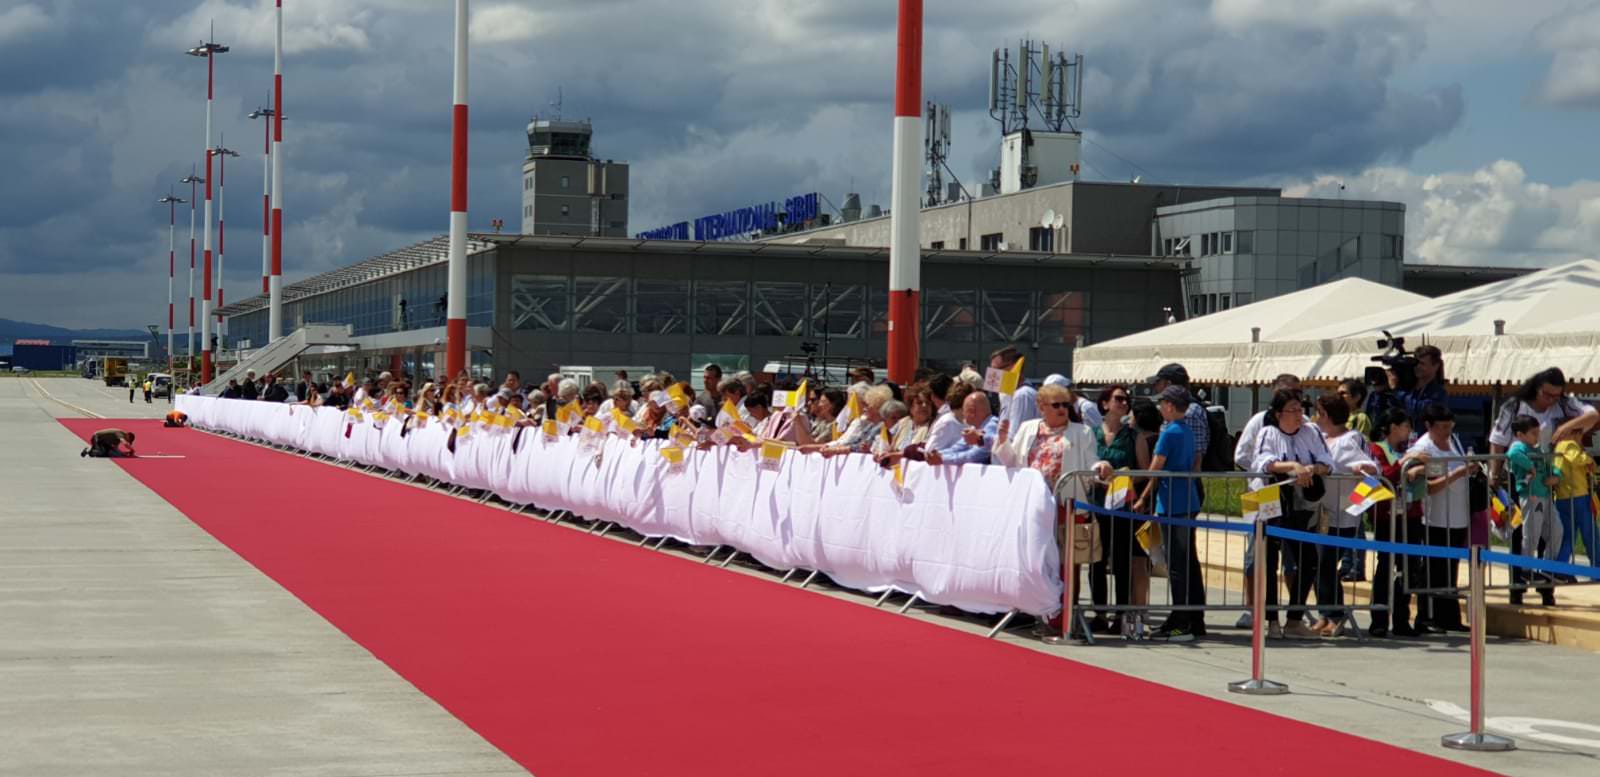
1120, 398
1060, 405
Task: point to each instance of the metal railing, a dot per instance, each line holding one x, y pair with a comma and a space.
1399, 549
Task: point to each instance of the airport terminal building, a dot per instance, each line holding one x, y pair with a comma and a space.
1048, 266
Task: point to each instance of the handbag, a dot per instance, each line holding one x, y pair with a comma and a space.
1086, 547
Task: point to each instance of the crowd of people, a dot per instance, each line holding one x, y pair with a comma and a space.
1315, 447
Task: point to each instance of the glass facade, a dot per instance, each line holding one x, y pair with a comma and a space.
410, 300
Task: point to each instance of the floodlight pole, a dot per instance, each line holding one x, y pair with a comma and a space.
188, 354
172, 265
209, 51
906, 198
266, 193
222, 153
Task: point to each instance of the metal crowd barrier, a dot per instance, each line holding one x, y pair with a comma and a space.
1181, 537
1403, 550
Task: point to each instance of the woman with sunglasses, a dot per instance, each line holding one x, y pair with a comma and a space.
1056, 443
1115, 444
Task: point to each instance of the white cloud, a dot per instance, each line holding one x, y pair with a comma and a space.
1490, 216
21, 21
1572, 37
508, 24
307, 27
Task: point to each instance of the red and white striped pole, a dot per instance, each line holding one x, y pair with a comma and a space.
905, 258
456, 302
223, 152
275, 282
188, 354
172, 267
209, 50
266, 192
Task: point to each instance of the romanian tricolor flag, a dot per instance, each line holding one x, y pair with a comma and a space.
1499, 507
1367, 493
1120, 491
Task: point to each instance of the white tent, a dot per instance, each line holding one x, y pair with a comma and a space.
1552, 318
1218, 348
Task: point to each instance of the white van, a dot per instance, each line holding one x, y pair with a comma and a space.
604, 375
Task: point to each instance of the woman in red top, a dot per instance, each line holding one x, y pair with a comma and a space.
1393, 432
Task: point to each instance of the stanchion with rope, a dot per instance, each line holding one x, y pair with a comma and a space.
1476, 739
1258, 684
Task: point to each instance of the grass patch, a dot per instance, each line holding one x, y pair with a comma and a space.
1222, 496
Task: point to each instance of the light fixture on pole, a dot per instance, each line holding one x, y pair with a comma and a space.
222, 153
266, 192
188, 354
455, 352
172, 264
209, 51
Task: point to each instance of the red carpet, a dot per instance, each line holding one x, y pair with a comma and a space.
583, 656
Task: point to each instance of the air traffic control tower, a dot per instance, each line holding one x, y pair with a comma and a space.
565, 190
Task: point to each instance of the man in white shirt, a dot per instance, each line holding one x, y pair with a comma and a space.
1022, 405
947, 425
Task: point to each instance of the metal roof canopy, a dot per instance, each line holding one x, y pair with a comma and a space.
435, 251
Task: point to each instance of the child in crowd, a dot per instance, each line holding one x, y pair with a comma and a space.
1532, 476
1573, 501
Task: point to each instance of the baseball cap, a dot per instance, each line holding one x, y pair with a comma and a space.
1172, 373
1175, 394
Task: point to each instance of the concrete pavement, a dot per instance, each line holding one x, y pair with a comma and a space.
135, 644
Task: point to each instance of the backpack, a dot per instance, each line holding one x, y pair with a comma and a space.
1218, 456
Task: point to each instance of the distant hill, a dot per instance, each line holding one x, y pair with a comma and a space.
15, 330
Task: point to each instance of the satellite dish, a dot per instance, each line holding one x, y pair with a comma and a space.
1049, 219
1060, 221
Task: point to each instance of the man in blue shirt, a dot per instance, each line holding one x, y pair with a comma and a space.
1177, 498
977, 439
1194, 417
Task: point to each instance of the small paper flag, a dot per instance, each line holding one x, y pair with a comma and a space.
1262, 504
1118, 493
623, 420
1012, 378
593, 424
730, 409
772, 451
550, 429
672, 453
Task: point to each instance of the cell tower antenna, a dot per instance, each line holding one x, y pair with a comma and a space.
556, 104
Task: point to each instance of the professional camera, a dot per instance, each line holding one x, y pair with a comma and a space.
809, 349
1396, 358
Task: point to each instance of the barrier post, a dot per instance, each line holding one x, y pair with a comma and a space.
1476, 739
1258, 684
1069, 581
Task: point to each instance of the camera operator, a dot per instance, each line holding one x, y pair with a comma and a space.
1426, 383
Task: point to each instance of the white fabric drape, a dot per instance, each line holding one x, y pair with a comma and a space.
977, 537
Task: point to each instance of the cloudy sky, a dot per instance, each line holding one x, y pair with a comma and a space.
1478, 114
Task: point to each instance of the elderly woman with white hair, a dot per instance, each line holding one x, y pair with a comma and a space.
1088, 412
861, 433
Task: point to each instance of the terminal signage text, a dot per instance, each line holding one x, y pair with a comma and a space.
741, 222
